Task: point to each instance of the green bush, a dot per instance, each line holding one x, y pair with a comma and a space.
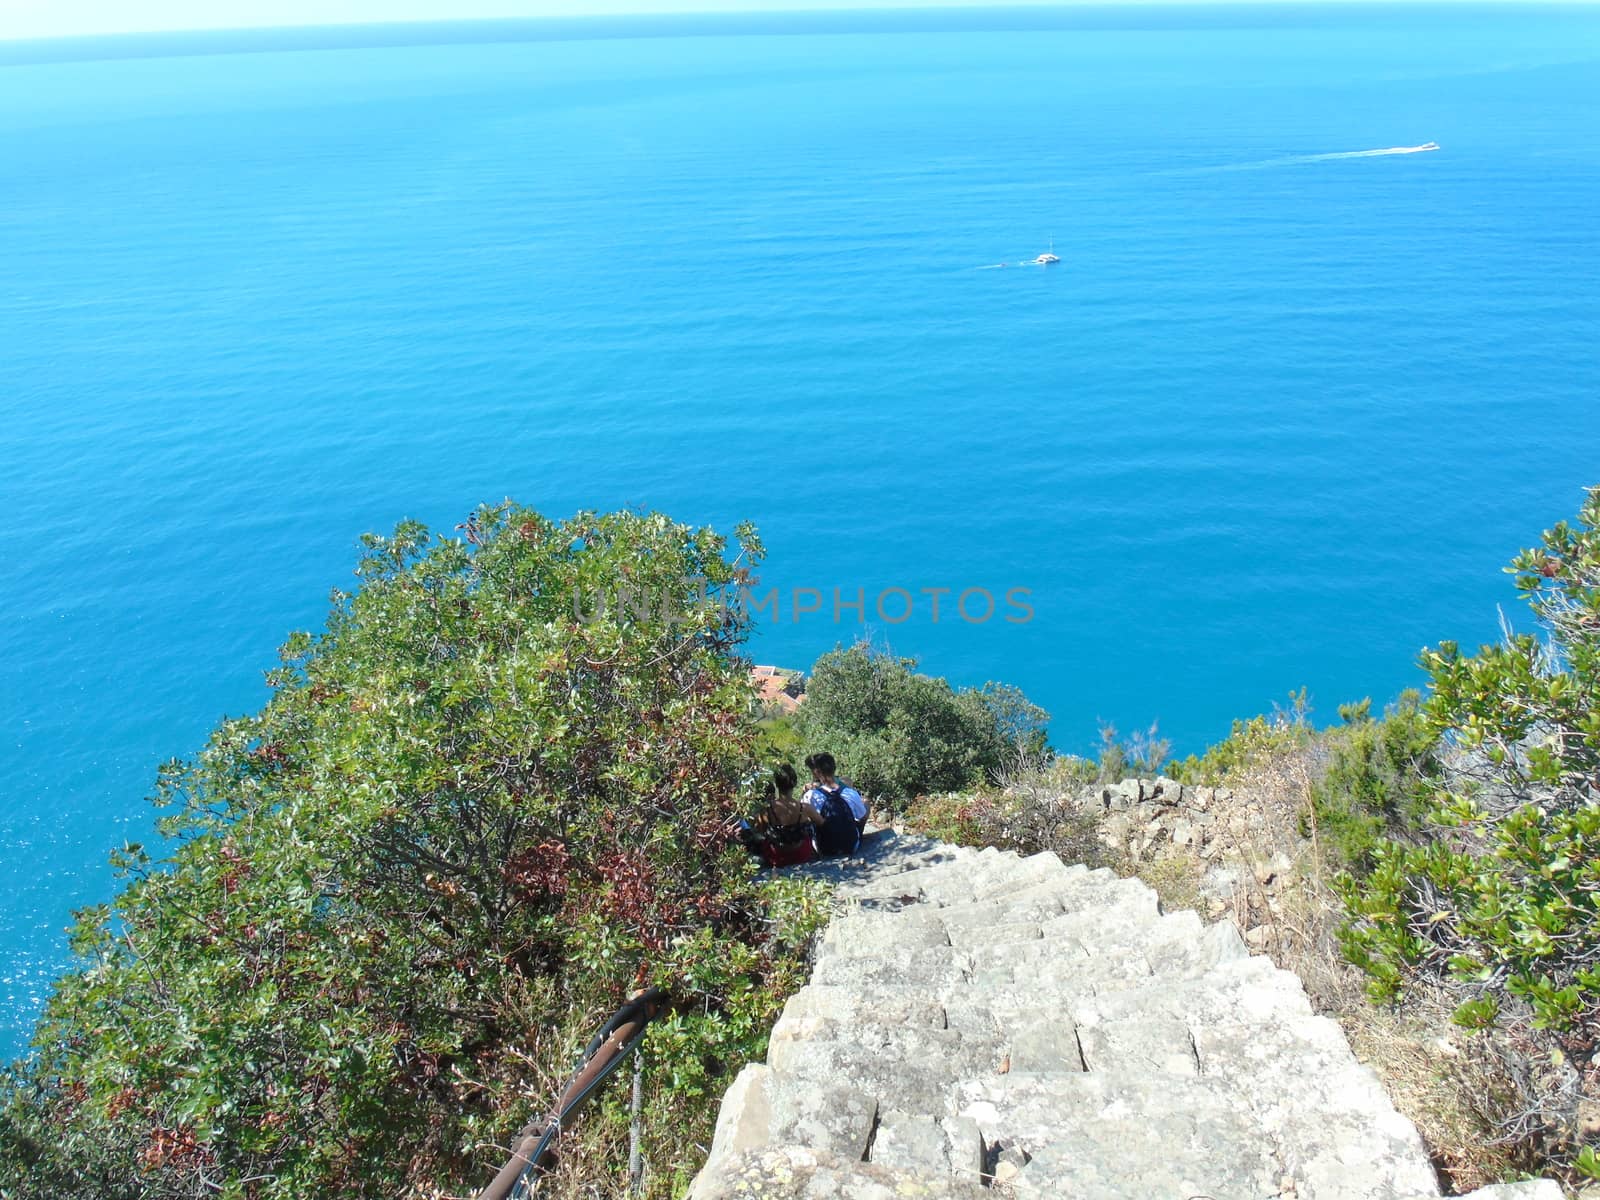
1376, 780
394, 901
961, 819
898, 734
780, 739
1011, 822
1502, 901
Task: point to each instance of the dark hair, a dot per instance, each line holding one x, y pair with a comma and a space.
821, 761
785, 777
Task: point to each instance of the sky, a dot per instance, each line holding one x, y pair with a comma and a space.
62, 18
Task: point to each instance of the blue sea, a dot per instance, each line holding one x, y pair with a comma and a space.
1277, 420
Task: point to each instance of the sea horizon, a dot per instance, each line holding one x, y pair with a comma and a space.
1039, 16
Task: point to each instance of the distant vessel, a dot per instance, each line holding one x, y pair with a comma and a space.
1049, 257
1428, 146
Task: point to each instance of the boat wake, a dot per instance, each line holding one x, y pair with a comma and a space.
1426, 146
1293, 160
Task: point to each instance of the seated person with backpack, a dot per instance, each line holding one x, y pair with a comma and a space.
843, 811
784, 834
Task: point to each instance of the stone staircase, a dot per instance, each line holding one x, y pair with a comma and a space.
979, 1024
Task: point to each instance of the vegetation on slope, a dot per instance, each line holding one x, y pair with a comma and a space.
464, 826
1500, 902
480, 808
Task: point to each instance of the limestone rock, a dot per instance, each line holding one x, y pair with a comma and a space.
1531, 1189
800, 1173
1589, 1117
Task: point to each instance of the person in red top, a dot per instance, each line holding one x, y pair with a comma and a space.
784, 834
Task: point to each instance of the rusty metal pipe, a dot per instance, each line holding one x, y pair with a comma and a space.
605, 1052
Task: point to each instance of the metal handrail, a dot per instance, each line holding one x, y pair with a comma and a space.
535, 1144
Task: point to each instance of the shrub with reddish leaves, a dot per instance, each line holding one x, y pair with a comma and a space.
478, 809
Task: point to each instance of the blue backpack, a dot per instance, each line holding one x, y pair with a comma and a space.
838, 834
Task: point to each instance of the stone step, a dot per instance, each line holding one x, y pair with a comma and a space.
1250, 1026
1155, 1045
1176, 945
1027, 872
978, 1017
1527, 1189
863, 931
933, 967
1008, 933
925, 987
919, 1067
1034, 899
1231, 990
756, 1114
1088, 897
1124, 1136
968, 921
945, 881
1040, 1041
848, 1006
797, 1172
1063, 978
1227, 991
948, 1146
911, 1068
1087, 892
1336, 1128
883, 858
1124, 928
983, 924
885, 854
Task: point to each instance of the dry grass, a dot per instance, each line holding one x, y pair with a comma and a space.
591, 1157
587, 1170
1449, 1083
1175, 877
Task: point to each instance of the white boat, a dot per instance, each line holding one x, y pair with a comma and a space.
1049, 258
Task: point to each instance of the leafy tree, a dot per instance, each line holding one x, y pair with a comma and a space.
1021, 723
898, 734
476, 810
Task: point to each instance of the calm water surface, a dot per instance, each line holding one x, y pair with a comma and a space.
1277, 420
